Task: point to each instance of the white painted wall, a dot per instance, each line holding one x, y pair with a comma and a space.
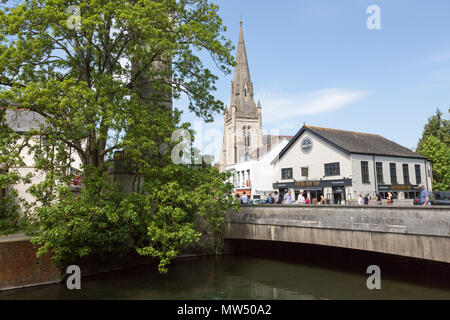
262, 172
350, 166
320, 154
38, 175
386, 160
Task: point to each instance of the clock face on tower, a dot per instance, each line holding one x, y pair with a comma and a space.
306, 145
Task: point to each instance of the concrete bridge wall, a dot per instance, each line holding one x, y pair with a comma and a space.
419, 232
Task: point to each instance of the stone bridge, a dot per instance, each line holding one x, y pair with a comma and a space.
418, 232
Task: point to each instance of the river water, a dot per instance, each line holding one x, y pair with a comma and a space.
250, 276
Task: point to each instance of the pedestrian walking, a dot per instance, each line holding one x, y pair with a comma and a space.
366, 199
360, 200
276, 198
287, 198
379, 199
424, 195
244, 198
270, 199
301, 198
390, 199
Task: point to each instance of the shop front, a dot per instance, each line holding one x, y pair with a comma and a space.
338, 193
405, 191
240, 192
316, 188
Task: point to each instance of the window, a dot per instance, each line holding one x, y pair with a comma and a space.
248, 136
379, 166
286, 173
332, 169
304, 171
418, 174
393, 169
365, 171
405, 174
410, 194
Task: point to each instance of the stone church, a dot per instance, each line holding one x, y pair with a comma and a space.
243, 137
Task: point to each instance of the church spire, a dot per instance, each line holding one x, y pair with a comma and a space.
242, 87
243, 120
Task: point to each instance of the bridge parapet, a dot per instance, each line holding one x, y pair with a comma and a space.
432, 221
419, 232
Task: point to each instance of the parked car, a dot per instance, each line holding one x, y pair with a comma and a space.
441, 198
258, 201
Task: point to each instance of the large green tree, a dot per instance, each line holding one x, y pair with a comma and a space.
435, 145
10, 160
438, 127
439, 153
101, 73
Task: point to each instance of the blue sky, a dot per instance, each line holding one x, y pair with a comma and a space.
317, 62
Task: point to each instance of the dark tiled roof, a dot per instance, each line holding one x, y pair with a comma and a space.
23, 120
358, 142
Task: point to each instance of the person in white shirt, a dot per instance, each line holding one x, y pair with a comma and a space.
360, 200
301, 198
244, 198
287, 198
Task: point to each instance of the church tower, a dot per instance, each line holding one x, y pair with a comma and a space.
242, 121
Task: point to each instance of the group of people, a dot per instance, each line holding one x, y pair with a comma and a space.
303, 198
424, 198
367, 199
244, 198
288, 199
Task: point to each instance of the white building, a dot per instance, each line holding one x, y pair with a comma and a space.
255, 177
22, 121
342, 164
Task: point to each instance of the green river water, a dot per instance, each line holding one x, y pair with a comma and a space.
241, 276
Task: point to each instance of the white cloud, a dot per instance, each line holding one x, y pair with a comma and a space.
281, 107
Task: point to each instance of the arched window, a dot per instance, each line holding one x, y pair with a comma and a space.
244, 134
248, 136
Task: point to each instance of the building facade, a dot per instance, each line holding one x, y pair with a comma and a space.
341, 165
22, 121
255, 176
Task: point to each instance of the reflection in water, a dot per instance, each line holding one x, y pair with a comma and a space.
233, 277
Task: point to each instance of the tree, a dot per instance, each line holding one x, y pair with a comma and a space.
435, 145
436, 126
439, 153
9, 160
100, 73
